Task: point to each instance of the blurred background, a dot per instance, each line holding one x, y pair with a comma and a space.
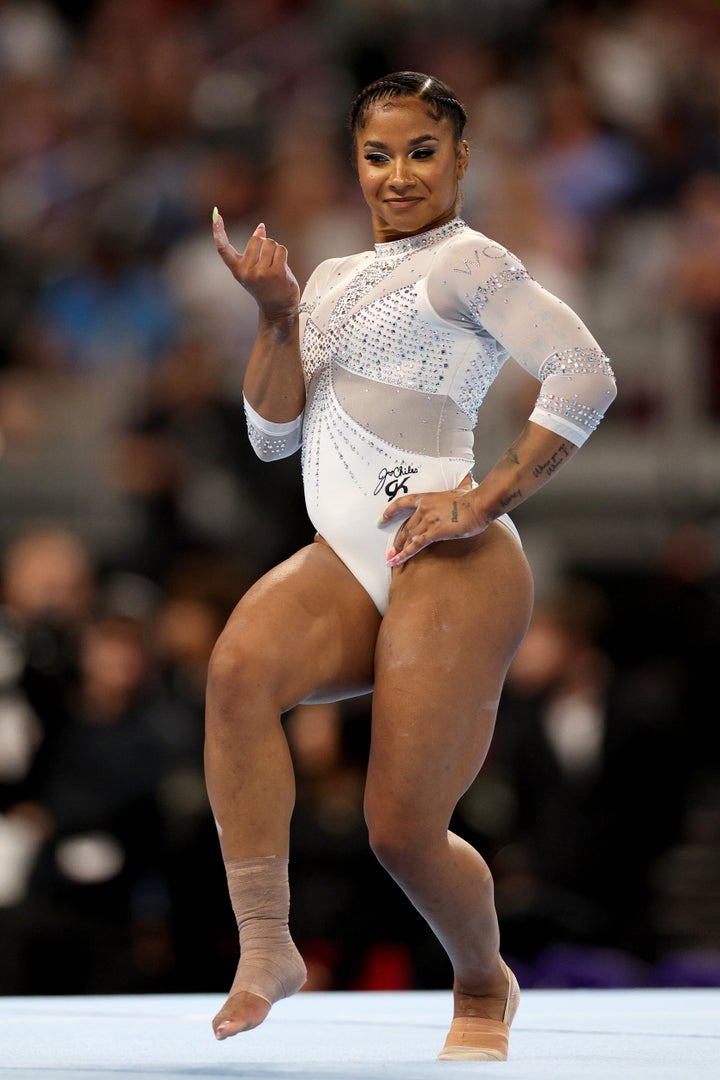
133, 514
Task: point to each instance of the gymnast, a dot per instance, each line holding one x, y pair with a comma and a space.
415, 585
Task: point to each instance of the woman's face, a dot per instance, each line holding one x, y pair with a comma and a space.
409, 167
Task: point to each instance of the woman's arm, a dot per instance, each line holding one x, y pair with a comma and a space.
534, 457
273, 385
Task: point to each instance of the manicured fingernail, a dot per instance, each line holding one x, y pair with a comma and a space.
380, 520
215, 214
394, 561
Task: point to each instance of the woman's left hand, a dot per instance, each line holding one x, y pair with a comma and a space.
436, 515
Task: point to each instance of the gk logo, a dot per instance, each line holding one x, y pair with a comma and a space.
394, 481
395, 486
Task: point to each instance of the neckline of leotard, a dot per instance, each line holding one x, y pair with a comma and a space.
421, 240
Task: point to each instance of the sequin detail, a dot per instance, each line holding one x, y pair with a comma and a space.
408, 245
307, 307
350, 443
268, 447
480, 376
479, 299
388, 257
361, 284
572, 409
390, 342
578, 361
314, 350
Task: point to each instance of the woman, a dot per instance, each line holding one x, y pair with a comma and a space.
378, 372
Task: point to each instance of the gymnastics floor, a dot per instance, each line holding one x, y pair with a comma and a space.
557, 1034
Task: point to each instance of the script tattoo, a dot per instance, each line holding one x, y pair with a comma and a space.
553, 463
454, 513
507, 500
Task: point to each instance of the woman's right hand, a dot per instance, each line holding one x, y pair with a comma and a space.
262, 269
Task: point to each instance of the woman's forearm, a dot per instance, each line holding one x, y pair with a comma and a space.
533, 459
273, 382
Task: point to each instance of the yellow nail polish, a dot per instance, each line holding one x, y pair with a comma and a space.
215, 214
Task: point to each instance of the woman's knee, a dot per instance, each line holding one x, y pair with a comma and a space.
236, 671
396, 837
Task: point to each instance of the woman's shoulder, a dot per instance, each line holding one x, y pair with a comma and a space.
471, 251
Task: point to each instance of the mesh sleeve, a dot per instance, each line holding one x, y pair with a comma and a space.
548, 340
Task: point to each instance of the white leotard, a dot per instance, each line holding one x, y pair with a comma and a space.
399, 347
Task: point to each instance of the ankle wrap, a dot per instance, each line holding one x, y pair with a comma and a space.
270, 965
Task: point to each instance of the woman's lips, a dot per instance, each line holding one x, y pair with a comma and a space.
399, 203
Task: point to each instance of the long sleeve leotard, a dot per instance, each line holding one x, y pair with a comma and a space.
399, 348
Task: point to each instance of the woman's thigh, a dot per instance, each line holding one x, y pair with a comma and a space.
458, 612
306, 631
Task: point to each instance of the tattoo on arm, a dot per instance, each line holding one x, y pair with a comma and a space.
454, 512
553, 463
511, 456
513, 496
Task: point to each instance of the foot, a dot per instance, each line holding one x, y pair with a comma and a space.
489, 1004
481, 1024
257, 985
241, 1012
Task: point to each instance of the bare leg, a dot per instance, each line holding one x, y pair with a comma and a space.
457, 614
306, 630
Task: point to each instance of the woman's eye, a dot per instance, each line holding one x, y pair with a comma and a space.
375, 159
423, 152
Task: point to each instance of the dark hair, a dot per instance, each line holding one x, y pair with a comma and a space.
440, 98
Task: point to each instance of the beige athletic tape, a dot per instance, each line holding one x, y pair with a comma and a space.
270, 965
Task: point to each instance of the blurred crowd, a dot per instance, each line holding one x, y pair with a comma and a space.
134, 513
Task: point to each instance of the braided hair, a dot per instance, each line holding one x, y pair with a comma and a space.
440, 98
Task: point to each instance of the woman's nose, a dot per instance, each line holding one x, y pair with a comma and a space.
401, 173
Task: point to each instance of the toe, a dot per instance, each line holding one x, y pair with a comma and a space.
241, 1012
